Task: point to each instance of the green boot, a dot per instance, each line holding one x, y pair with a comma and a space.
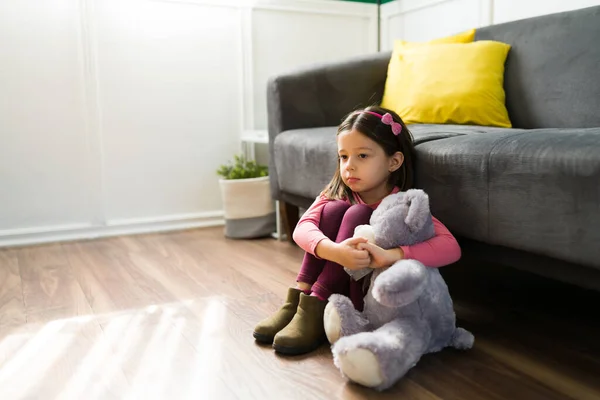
267, 328
306, 331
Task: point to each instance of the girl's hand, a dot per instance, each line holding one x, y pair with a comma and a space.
381, 258
352, 257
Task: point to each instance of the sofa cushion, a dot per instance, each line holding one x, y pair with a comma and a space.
454, 172
305, 160
393, 92
460, 83
534, 190
551, 74
314, 152
544, 194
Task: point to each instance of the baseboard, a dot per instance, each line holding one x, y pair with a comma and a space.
63, 233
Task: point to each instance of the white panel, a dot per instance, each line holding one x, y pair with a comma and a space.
510, 10
170, 93
44, 150
392, 28
286, 41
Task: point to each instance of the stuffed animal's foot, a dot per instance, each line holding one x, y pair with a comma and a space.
342, 319
361, 366
333, 323
379, 359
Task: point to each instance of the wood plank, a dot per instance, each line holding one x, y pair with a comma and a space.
105, 274
478, 375
50, 289
98, 278
12, 308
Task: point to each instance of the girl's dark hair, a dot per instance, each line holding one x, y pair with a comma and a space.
371, 126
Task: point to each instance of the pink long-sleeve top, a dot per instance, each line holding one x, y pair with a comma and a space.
440, 250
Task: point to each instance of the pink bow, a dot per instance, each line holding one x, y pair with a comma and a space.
389, 120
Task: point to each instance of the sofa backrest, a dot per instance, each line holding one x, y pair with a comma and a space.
552, 75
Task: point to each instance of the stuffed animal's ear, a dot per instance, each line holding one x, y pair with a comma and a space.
418, 209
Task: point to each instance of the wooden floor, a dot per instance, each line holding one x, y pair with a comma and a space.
170, 316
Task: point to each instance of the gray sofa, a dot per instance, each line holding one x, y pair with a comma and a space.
528, 196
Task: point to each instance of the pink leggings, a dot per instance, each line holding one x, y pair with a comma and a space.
338, 220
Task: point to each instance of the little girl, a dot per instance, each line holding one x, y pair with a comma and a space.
376, 158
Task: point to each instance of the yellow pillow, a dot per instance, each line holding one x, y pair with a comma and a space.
454, 83
393, 79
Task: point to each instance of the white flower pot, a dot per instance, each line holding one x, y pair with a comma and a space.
249, 209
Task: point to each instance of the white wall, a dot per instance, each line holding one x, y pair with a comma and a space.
421, 20
116, 113
510, 10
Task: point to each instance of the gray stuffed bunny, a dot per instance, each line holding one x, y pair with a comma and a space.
408, 311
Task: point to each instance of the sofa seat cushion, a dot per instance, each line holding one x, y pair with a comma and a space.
305, 160
535, 190
545, 192
313, 152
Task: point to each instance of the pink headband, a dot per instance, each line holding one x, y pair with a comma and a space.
386, 119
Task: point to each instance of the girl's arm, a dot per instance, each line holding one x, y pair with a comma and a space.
440, 250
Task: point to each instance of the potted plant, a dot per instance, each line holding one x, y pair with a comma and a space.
249, 209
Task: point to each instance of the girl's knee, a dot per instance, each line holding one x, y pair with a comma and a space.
335, 205
358, 211
334, 210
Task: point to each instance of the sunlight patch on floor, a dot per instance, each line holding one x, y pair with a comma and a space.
130, 354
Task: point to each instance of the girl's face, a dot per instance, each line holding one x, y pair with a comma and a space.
364, 165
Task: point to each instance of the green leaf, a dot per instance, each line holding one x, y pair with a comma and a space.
242, 169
